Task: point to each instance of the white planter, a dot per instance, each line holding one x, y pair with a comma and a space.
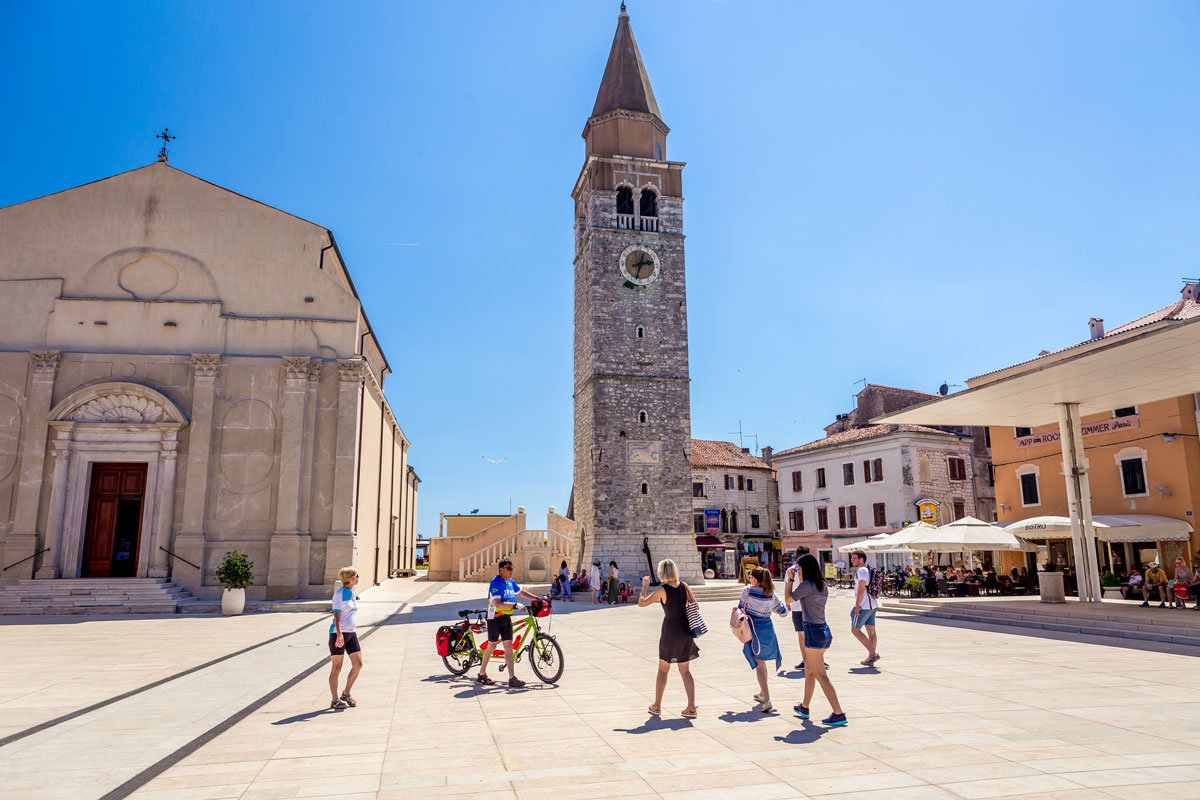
1111, 593
1050, 587
233, 602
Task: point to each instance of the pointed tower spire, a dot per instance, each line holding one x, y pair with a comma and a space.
625, 119
625, 84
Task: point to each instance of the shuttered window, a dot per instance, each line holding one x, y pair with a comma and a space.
958, 469
847, 474
797, 481
880, 515
823, 519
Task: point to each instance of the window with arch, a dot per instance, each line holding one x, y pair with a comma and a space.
733, 522
645, 488
641, 332
625, 200
657, 152
642, 417
649, 203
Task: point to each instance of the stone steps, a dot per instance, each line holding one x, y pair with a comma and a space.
1174, 628
93, 596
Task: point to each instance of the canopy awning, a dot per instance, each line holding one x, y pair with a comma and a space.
1141, 528
1109, 528
1143, 366
708, 542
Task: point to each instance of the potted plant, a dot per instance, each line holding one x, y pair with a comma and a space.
235, 575
1111, 586
1050, 583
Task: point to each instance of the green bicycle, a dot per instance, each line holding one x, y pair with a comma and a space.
459, 651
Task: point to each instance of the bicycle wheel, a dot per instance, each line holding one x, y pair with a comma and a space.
546, 658
459, 661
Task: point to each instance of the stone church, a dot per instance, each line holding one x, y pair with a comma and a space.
184, 371
633, 465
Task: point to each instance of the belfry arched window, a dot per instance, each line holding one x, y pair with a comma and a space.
649, 203
733, 522
645, 488
625, 200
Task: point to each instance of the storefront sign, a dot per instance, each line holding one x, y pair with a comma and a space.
830, 571
1089, 429
927, 511
712, 520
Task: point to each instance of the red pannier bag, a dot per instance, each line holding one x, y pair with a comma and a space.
447, 638
541, 607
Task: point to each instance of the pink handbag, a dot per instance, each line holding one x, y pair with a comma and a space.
739, 625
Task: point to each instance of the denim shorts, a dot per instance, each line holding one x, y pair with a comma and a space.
817, 637
797, 621
865, 616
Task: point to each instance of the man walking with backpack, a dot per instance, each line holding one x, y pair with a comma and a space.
868, 584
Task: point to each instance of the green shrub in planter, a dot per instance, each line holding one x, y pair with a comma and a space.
1110, 580
235, 570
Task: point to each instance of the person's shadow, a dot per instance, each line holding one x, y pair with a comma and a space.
863, 670
807, 734
656, 723
305, 717
751, 715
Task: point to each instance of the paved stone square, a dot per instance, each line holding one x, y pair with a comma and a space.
951, 712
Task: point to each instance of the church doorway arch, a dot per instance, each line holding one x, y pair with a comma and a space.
112, 500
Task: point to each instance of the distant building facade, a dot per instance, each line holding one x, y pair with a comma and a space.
185, 371
735, 504
864, 479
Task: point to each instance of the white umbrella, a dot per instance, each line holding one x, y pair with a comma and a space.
897, 542
968, 534
865, 544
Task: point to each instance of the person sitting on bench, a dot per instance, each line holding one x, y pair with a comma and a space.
1156, 580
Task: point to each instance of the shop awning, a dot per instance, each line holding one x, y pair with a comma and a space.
1109, 528
708, 542
1141, 528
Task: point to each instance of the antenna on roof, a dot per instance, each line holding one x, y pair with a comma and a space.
946, 386
741, 436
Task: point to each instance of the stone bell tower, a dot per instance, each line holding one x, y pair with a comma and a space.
633, 461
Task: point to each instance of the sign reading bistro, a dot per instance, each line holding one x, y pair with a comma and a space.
1089, 429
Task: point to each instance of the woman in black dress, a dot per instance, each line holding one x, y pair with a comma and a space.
675, 643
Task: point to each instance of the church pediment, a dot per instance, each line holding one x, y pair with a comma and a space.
117, 402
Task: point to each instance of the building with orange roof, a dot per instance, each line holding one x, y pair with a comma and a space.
735, 506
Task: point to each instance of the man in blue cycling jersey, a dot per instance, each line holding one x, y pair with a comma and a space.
503, 593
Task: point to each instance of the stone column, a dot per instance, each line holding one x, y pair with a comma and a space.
189, 542
22, 542
164, 522
284, 570
339, 548
52, 561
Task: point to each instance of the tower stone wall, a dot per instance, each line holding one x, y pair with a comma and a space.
633, 466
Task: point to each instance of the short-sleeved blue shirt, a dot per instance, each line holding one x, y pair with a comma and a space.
501, 591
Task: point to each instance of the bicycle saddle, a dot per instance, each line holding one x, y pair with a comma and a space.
464, 614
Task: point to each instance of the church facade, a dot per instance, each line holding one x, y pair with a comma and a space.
185, 371
633, 465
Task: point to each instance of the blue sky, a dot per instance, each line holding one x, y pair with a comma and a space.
907, 192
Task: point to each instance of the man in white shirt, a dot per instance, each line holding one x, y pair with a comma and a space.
862, 616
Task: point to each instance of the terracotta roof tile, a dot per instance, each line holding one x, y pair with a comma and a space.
707, 453
861, 434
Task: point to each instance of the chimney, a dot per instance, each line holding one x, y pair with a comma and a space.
1096, 326
746, 450
1191, 291
767, 452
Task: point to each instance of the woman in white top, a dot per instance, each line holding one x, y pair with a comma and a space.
614, 583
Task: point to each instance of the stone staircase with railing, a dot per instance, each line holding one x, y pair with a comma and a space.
552, 546
93, 596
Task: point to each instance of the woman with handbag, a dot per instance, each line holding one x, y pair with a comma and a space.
757, 603
812, 594
676, 645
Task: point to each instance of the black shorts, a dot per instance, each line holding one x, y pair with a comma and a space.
798, 621
500, 628
349, 644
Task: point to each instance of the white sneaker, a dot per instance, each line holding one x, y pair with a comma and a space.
766, 707
758, 698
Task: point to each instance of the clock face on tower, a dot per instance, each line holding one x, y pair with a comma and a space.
639, 265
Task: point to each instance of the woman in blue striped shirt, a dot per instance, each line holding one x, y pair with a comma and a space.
758, 602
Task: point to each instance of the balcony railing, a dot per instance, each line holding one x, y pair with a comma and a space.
635, 222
